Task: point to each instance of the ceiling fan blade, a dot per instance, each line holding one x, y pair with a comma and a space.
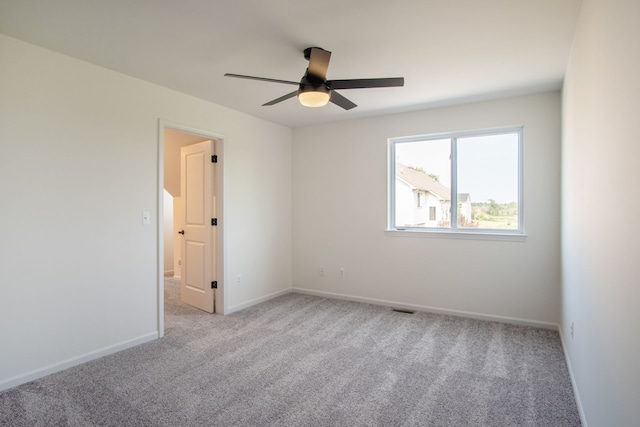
319, 62
341, 101
263, 79
282, 98
366, 83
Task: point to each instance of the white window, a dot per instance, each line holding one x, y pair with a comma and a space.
474, 179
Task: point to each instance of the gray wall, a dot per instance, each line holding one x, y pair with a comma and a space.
79, 164
340, 216
600, 246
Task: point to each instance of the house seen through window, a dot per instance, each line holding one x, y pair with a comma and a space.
463, 182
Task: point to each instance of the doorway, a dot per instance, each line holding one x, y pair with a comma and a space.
172, 138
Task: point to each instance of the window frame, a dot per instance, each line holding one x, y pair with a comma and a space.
453, 230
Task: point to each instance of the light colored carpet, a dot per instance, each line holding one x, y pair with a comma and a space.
300, 360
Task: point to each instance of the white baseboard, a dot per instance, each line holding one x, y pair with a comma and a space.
168, 273
74, 361
257, 300
176, 277
415, 307
574, 385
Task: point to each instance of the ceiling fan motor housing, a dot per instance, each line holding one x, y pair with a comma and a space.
310, 83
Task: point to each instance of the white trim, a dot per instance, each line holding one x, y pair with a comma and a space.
574, 385
259, 300
451, 234
168, 273
455, 134
75, 361
221, 300
160, 232
428, 309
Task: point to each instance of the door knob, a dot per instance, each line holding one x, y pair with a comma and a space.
181, 232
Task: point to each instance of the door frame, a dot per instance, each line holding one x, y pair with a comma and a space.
220, 302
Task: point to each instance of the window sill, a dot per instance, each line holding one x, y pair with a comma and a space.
508, 237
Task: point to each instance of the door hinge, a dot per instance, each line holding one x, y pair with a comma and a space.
214, 221
214, 159
214, 284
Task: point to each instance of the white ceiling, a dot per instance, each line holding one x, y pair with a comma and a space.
449, 51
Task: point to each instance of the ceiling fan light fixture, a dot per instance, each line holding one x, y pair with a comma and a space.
314, 97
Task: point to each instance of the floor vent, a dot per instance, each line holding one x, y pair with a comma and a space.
402, 310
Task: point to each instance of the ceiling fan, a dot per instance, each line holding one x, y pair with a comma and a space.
314, 90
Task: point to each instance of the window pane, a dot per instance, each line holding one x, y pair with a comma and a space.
488, 181
422, 183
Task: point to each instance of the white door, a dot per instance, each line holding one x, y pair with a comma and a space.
197, 194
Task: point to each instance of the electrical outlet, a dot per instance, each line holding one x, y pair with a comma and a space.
342, 273
239, 280
572, 330
322, 271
